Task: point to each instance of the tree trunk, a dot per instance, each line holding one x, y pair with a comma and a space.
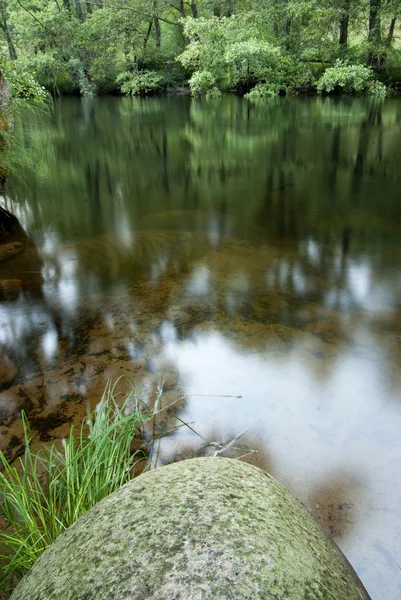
281, 20
390, 35
182, 9
374, 36
11, 48
344, 22
194, 9
4, 100
145, 41
157, 24
275, 19
4, 27
157, 33
80, 12
287, 26
374, 20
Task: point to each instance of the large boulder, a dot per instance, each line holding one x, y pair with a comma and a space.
201, 529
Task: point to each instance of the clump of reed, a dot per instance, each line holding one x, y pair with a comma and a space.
42, 493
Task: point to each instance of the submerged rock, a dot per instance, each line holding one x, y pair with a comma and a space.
10, 288
207, 529
9, 250
8, 371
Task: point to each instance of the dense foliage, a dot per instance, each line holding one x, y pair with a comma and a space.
148, 46
350, 79
22, 83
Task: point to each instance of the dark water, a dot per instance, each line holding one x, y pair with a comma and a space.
247, 258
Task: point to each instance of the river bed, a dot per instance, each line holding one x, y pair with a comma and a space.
243, 257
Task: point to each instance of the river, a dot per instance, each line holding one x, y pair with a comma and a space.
246, 258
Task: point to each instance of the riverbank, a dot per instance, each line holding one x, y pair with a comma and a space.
310, 81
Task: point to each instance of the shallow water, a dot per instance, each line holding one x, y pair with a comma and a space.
245, 257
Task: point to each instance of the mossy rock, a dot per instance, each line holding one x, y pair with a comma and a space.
201, 529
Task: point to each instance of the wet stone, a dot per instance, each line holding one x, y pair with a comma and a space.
10, 289
9, 250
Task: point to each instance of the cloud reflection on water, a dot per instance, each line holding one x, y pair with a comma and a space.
235, 255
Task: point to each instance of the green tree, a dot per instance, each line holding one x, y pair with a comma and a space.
90, 46
4, 26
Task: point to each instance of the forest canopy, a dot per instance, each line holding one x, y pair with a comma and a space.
260, 47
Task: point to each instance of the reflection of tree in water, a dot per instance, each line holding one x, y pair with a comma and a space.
170, 222
272, 298
265, 163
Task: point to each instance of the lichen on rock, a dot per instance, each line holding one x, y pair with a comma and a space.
201, 529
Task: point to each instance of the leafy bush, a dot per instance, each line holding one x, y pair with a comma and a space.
229, 53
213, 94
262, 90
377, 89
251, 59
81, 77
23, 85
55, 75
351, 79
209, 39
201, 82
141, 83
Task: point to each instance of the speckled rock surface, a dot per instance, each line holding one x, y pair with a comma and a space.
202, 529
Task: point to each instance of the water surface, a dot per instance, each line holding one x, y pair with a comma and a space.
246, 258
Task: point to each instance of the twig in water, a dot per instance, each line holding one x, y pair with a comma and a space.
211, 396
229, 444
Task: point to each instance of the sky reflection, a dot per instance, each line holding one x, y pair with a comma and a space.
241, 263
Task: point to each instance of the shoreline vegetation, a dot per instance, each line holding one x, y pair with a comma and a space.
44, 492
194, 47
145, 47
4, 128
